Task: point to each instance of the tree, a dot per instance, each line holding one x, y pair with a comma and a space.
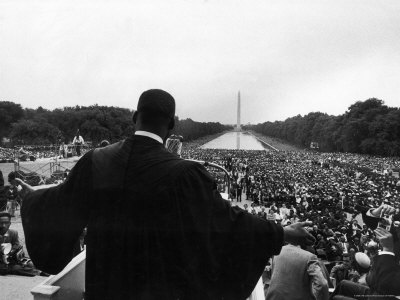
37, 131
367, 126
10, 112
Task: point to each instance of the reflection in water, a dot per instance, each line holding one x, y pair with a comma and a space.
235, 140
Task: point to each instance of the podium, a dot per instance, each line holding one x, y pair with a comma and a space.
69, 284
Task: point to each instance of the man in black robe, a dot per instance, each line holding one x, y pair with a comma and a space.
156, 226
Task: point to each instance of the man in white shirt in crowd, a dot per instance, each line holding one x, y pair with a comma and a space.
78, 142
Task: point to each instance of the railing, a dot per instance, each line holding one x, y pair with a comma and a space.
213, 165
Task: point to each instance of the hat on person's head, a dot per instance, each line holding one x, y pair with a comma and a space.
372, 245
158, 102
362, 260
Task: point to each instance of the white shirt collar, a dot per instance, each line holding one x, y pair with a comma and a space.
150, 135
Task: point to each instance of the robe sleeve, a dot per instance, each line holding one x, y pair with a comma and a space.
237, 245
54, 218
384, 276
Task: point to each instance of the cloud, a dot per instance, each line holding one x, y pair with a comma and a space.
286, 57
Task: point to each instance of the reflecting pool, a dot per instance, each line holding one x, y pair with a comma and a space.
235, 140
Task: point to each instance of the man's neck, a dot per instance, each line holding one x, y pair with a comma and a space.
149, 134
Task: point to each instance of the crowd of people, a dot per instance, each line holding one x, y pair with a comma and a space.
330, 189
177, 238
32, 152
6, 155
13, 259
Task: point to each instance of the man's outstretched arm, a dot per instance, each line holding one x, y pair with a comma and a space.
239, 242
53, 218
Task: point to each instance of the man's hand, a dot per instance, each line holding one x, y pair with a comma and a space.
385, 238
297, 234
382, 210
26, 188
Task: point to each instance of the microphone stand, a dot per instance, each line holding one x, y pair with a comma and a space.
210, 164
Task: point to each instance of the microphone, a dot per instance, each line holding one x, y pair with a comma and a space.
174, 144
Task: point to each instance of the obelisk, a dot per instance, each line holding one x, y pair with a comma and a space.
238, 114
238, 124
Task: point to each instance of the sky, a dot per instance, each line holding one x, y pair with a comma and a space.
287, 57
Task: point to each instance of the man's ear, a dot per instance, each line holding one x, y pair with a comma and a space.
134, 117
171, 124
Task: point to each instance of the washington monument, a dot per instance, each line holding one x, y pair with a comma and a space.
238, 114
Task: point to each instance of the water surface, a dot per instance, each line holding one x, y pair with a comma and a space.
235, 140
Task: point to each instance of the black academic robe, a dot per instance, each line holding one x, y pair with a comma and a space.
384, 276
156, 227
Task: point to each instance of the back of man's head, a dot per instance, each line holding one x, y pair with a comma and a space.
156, 108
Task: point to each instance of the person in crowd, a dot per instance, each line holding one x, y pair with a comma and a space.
247, 208
62, 151
360, 266
3, 193
13, 260
355, 269
356, 245
78, 142
315, 231
262, 213
239, 190
22, 154
13, 198
173, 235
384, 276
284, 211
366, 231
297, 274
340, 271
333, 251
344, 246
321, 242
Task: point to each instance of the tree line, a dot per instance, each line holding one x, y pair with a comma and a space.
96, 123
367, 127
